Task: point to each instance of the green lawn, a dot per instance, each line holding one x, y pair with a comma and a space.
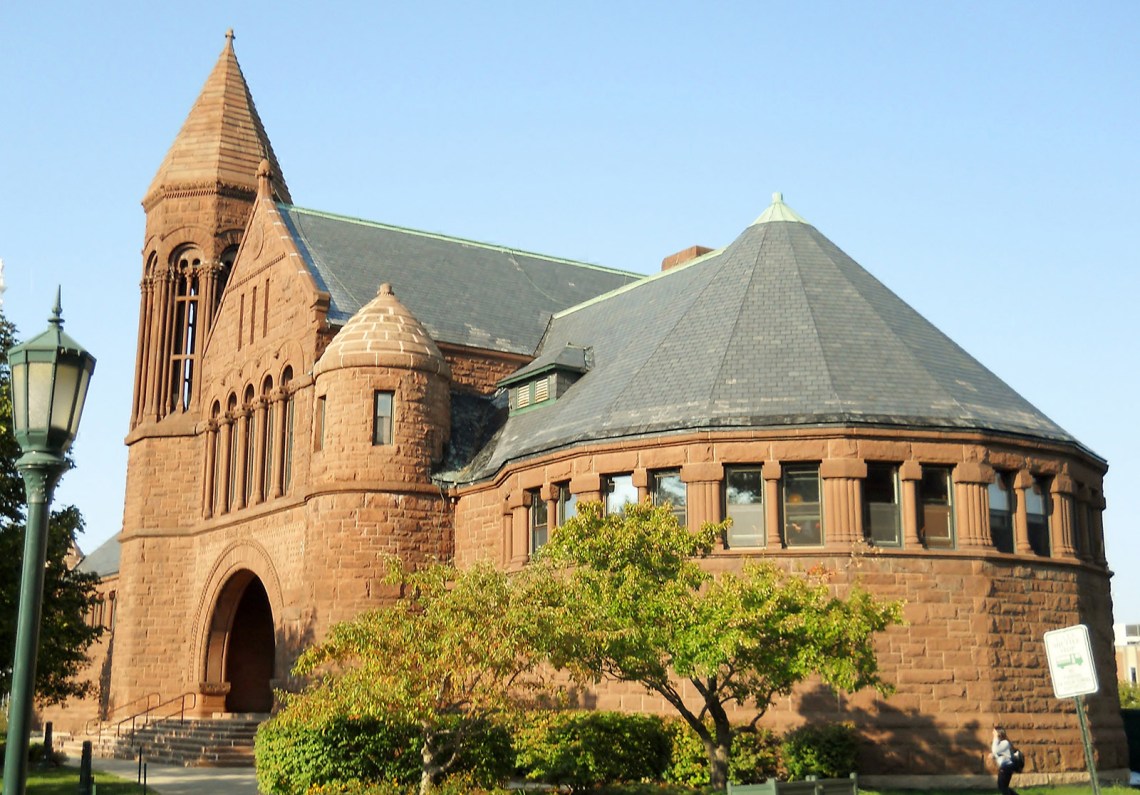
65, 781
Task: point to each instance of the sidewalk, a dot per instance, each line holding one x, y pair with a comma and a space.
173, 780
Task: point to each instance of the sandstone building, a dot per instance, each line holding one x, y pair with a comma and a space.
312, 391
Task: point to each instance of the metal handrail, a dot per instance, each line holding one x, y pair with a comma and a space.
150, 715
98, 723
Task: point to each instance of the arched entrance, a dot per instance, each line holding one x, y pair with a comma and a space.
240, 649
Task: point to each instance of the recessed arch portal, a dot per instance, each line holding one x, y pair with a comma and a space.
240, 644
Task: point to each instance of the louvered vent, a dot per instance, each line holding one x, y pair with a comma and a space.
542, 389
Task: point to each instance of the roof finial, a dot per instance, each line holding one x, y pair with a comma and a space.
777, 198
385, 289
230, 36
264, 179
56, 318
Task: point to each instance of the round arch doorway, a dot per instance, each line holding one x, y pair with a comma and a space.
241, 645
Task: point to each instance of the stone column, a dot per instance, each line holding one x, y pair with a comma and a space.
641, 483
143, 350
508, 525
211, 465
842, 500
1084, 548
1022, 483
910, 474
1096, 525
227, 467
972, 480
549, 493
518, 502
702, 487
1061, 529
771, 473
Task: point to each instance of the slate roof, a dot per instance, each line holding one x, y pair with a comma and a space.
463, 292
778, 329
104, 560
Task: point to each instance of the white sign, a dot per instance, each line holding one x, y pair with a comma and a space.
1071, 661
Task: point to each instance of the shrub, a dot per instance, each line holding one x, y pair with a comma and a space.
590, 749
1129, 695
824, 751
754, 757
293, 755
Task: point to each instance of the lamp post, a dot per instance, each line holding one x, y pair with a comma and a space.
50, 375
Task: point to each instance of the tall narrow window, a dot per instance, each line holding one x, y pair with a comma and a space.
619, 491
881, 520
231, 469
936, 506
268, 439
669, 489
567, 504
744, 505
1037, 508
216, 414
185, 332
539, 520
803, 525
1001, 512
382, 418
287, 429
250, 442
319, 424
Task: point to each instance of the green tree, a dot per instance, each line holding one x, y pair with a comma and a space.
1129, 695
450, 654
65, 636
623, 597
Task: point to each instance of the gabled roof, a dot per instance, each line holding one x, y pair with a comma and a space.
222, 140
464, 293
779, 329
104, 560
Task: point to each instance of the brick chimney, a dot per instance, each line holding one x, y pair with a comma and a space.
683, 256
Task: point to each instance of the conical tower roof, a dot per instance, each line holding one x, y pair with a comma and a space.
222, 140
384, 333
780, 329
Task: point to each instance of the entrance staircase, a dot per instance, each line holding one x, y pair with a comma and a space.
161, 732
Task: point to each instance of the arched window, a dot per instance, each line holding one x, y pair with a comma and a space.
217, 474
250, 441
268, 438
186, 266
232, 462
287, 430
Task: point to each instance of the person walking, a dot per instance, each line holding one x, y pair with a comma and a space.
1002, 750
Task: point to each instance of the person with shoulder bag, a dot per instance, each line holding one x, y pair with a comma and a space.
1009, 760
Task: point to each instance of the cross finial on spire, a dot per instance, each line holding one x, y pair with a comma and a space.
230, 37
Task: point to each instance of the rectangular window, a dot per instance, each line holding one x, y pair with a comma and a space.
803, 526
567, 504
619, 491
319, 424
744, 504
669, 489
539, 520
881, 520
1001, 511
1038, 505
936, 508
287, 464
382, 418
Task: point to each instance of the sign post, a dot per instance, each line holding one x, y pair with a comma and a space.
1074, 675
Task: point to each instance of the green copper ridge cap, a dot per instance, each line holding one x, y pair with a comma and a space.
778, 211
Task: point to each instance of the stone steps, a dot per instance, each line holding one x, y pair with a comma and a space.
196, 742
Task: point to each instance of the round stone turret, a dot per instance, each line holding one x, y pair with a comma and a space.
383, 399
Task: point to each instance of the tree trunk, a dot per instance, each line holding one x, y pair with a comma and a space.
718, 763
429, 765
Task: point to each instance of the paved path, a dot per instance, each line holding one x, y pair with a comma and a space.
173, 780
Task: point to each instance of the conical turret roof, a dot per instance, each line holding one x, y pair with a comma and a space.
779, 329
222, 140
384, 333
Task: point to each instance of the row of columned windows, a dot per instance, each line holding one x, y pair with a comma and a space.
249, 447
799, 490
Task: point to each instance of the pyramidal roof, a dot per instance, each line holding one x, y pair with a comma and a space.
778, 329
222, 140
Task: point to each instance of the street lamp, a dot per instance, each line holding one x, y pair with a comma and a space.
50, 375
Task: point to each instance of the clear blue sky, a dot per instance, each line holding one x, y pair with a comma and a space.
982, 159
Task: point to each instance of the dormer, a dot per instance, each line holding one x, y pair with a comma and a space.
546, 378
